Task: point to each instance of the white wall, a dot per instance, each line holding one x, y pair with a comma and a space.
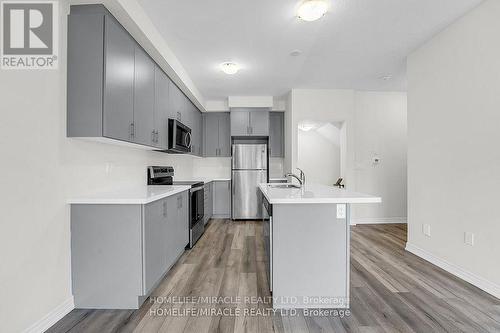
40, 169
381, 130
373, 121
453, 139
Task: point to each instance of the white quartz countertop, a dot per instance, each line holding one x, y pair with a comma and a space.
205, 179
131, 196
314, 194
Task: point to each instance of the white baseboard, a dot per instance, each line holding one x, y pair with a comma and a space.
480, 282
52, 317
378, 220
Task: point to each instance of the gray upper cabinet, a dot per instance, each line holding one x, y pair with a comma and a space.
217, 136
248, 122
144, 99
211, 133
195, 118
240, 123
161, 108
276, 134
119, 50
178, 104
259, 123
225, 134
115, 89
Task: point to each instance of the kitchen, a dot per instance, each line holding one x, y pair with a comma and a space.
179, 189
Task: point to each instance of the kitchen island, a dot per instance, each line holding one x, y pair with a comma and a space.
307, 240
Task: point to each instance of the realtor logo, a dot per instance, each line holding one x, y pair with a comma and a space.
29, 35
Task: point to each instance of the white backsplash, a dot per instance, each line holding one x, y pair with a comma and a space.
212, 167
276, 167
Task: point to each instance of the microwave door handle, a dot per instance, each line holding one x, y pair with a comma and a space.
188, 140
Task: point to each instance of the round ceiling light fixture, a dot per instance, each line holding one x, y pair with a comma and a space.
312, 10
229, 68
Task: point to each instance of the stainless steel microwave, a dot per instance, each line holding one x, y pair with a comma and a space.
179, 137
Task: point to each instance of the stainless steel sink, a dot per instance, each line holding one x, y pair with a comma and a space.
284, 185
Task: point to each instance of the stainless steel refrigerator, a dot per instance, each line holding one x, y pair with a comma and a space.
249, 169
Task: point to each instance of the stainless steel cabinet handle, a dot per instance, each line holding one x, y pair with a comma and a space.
132, 130
153, 136
164, 209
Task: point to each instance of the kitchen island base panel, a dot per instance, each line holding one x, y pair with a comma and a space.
310, 256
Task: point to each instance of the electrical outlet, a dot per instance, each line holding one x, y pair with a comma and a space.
469, 238
109, 168
426, 229
341, 211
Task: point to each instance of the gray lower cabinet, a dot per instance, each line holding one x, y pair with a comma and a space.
217, 134
208, 202
222, 199
119, 253
249, 122
276, 134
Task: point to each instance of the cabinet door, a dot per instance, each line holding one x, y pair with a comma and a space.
210, 207
172, 247
196, 131
240, 123
259, 123
276, 134
155, 242
224, 134
144, 98
161, 107
211, 134
182, 235
118, 112
222, 198
175, 102
187, 110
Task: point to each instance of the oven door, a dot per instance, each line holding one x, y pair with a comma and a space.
179, 137
197, 206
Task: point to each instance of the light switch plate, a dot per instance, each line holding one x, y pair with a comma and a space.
426, 229
469, 238
341, 211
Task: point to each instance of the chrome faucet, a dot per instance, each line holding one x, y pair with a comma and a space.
294, 176
302, 176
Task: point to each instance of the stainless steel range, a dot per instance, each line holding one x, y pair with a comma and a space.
164, 175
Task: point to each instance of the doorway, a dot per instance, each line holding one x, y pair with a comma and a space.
321, 151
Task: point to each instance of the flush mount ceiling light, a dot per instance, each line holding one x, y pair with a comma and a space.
312, 10
229, 68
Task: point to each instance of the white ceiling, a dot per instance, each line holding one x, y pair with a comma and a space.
352, 47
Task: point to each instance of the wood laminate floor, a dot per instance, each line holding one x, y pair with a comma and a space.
391, 291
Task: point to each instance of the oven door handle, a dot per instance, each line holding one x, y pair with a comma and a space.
196, 189
188, 140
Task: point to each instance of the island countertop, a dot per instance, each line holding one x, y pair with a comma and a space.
314, 194
139, 195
